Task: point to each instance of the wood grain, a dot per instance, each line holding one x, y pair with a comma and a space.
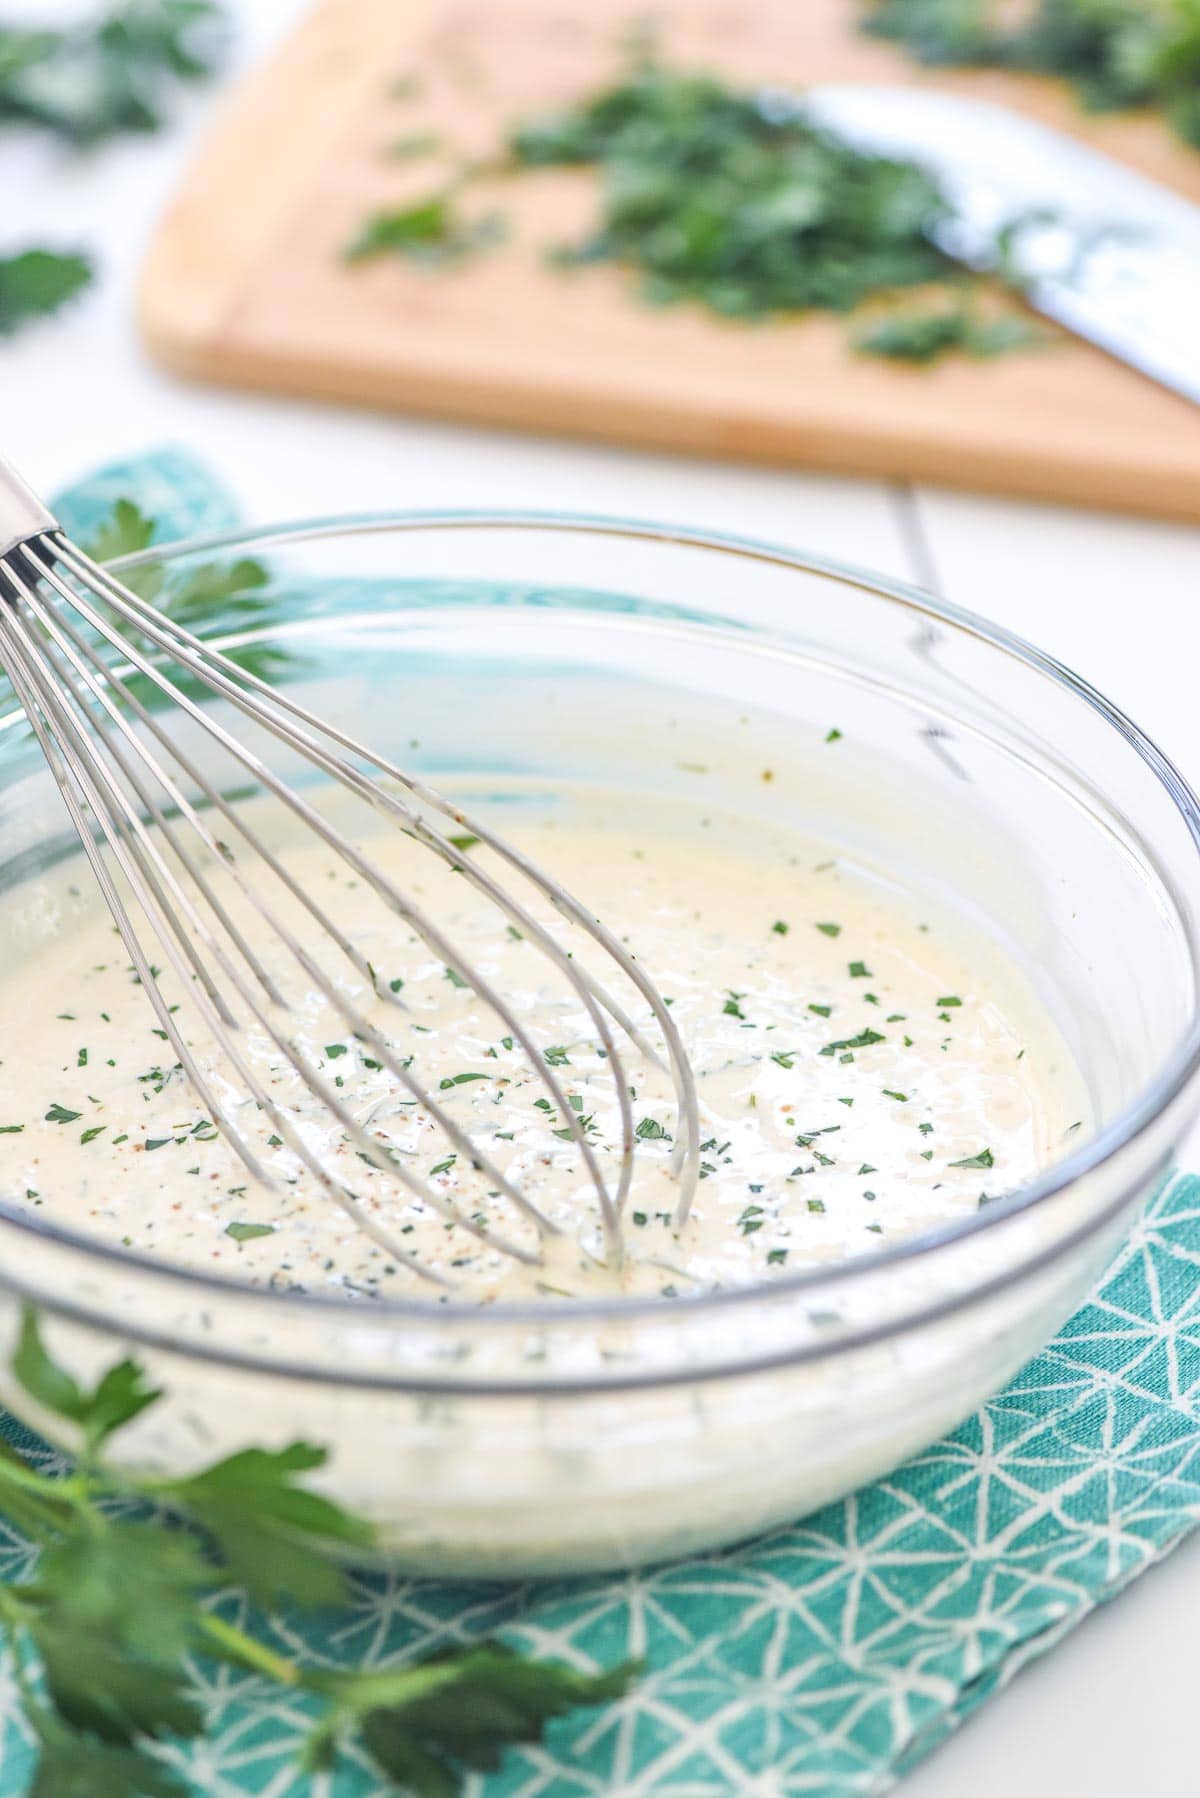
245, 283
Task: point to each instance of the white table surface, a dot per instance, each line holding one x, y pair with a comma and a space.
1110, 1712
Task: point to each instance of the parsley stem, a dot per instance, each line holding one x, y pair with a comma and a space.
235, 1644
55, 1509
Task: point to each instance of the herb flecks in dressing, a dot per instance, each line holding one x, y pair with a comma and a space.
865, 1071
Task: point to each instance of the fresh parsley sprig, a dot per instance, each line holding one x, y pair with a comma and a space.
211, 598
127, 1587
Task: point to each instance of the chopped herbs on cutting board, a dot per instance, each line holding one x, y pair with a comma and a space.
1114, 53
729, 199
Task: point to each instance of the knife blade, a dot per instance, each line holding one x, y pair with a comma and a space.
1104, 250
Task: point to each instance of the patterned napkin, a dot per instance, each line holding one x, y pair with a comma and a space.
825, 1658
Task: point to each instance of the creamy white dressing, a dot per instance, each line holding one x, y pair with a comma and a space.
869, 1067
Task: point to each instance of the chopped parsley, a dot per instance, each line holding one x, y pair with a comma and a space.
731, 200
864, 1040
921, 335
1114, 53
650, 1130
59, 1114
431, 231
984, 1158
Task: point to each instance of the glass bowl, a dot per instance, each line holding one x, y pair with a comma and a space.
509, 1441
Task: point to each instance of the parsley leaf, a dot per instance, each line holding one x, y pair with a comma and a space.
98, 1688
863, 1040
985, 1158
116, 1400
650, 1130
217, 596
425, 1724
924, 336
36, 282
126, 530
274, 1534
430, 231
80, 1766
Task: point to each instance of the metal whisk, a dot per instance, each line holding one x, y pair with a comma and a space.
71, 637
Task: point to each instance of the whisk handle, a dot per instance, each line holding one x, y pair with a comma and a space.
22, 514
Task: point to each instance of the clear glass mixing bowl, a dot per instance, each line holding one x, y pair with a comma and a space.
508, 1441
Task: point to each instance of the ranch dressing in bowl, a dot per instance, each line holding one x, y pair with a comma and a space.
868, 1068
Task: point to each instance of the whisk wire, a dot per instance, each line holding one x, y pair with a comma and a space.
74, 670
155, 890
175, 903
355, 1020
391, 894
208, 663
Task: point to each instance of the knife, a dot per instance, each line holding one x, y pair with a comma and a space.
1110, 254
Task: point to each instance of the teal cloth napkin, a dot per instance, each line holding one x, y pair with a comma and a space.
825, 1658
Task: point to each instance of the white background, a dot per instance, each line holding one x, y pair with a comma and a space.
1110, 1713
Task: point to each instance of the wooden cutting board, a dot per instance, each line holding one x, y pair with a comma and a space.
245, 283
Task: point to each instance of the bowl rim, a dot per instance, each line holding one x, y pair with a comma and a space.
1179, 1070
